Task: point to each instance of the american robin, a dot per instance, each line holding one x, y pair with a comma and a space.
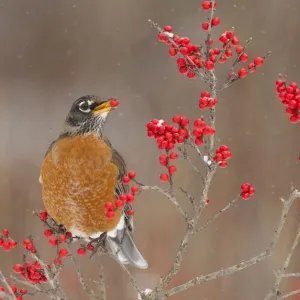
81, 171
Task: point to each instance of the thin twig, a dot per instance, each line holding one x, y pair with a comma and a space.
275, 289
9, 290
295, 292
290, 275
208, 222
167, 194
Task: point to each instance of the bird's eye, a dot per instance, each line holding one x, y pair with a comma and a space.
84, 107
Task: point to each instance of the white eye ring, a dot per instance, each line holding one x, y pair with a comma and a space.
84, 110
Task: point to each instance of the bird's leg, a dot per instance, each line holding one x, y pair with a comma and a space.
100, 244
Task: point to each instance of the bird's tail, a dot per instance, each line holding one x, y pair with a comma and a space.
123, 246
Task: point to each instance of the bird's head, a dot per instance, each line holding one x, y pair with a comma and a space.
88, 114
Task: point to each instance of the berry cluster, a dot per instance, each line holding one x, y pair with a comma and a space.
207, 101
222, 155
18, 295
33, 272
289, 96
193, 57
166, 135
111, 207
200, 130
247, 191
164, 161
6, 242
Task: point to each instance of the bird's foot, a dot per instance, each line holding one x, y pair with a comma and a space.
98, 245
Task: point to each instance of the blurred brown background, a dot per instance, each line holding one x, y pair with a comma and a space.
53, 52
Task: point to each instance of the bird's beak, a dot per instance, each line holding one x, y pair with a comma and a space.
103, 107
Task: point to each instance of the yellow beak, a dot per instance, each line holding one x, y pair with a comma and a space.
103, 107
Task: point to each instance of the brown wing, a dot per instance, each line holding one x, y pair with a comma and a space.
121, 188
78, 179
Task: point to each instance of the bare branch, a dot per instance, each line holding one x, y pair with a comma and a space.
244, 264
167, 194
208, 222
289, 294
9, 292
286, 264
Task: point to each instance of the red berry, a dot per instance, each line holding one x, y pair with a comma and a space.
123, 197
176, 119
205, 94
110, 214
6, 246
184, 121
108, 206
53, 241
164, 177
62, 238
245, 195
228, 53
223, 164
130, 212
198, 141
48, 233
18, 268
129, 198
168, 28
251, 190
134, 189
183, 70
184, 50
205, 26
1, 242
126, 179
173, 52
161, 37
199, 123
279, 82
91, 247
63, 252
215, 21
12, 244
5, 232
258, 61
113, 102
181, 62
229, 34
23, 291
191, 74
119, 203
207, 201
251, 67
209, 65
244, 57
14, 289
173, 155
245, 187
131, 174
172, 169
81, 251
206, 5
163, 160
239, 49
43, 215
235, 41
242, 73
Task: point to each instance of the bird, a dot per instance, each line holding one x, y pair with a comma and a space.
82, 171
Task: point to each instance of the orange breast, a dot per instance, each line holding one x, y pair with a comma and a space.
78, 179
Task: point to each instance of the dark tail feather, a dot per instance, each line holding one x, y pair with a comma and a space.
123, 246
